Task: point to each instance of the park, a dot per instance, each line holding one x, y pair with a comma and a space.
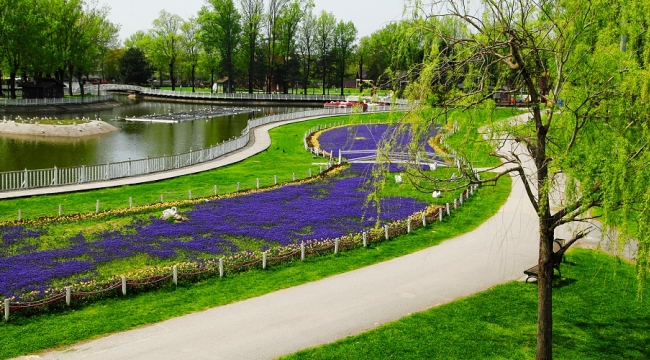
262, 181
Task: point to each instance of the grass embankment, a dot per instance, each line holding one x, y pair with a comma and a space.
26, 335
596, 316
469, 142
285, 156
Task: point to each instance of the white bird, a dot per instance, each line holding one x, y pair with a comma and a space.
433, 166
436, 194
398, 178
167, 213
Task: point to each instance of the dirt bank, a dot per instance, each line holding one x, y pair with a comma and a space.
90, 128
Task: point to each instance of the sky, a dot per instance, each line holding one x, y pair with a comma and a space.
367, 15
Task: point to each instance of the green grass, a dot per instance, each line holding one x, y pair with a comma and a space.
285, 156
29, 334
469, 141
596, 316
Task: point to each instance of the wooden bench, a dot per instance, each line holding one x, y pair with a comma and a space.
533, 272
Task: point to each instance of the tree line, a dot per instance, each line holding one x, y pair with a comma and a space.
53, 38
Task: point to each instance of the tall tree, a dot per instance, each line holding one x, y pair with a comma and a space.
134, 67
252, 12
586, 86
306, 43
274, 30
325, 43
167, 39
290, 19
190, 44
345, 35
220, 28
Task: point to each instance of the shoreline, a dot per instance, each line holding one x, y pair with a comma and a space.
91, 128
58, 108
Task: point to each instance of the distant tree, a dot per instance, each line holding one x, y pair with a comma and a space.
167, 39
345, 35
306, 43
220, 29
325, 43
191, 47
134, 68
252, 12
209, 60
291, 16
273, 32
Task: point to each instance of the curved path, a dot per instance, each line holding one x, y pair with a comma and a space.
330, 309
260, 140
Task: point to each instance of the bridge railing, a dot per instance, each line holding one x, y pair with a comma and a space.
63, 101
28, 179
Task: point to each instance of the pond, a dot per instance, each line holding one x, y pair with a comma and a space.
134, 140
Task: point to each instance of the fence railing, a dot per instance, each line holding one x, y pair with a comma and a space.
29, 179
63, 101
71, 295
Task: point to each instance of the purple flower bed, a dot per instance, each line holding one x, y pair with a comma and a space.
289, 215
367, 137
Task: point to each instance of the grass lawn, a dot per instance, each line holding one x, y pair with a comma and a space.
597, 315
469, 142
29, 334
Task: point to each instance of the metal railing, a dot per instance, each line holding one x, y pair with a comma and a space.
29, 179
63, 101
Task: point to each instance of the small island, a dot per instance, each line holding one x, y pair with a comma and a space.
55, 127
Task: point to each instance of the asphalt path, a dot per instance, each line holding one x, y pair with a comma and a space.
327, 310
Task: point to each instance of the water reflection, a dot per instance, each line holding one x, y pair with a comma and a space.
134, 140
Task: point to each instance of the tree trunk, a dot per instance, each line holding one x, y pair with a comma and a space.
193, 78
70, 74
2, 84
12, 79
172, 78
81, 85
251, 63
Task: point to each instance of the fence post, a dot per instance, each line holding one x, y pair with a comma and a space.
97, 206
408, 226
20, 215
386, 231
302, 251
264, 260
340, 157
56, 176
440, 214
365, 239
424, 219
26, 180
310, 174
320, 169
220, 267
7, 309
275, 179
461, 198
190, 193
258, 182
336, 246
294, 176
216, 191
123, 285
68, 295
175, 275
60, 210
455, 204
130, 202
448, 209
238, 187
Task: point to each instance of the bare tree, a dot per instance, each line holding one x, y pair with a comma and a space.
252, 12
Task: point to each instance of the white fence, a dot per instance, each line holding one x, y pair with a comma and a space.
28, 179
64, 101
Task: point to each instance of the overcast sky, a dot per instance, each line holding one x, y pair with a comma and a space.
367, 15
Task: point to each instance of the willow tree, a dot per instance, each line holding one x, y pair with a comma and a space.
584, 73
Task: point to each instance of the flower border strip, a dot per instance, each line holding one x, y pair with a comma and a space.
233, 264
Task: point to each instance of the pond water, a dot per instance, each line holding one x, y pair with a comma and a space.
134, 140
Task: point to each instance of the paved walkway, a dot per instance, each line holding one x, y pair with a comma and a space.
260, 141
330, 309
